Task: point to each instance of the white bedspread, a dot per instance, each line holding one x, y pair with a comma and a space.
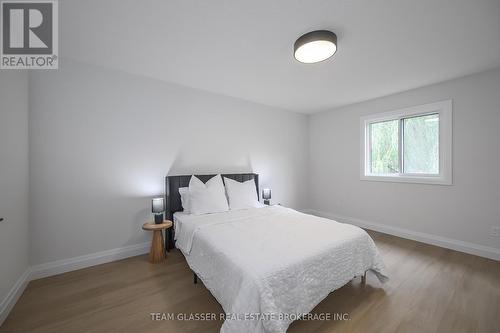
273, 261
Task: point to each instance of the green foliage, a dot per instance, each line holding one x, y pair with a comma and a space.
384, 147
420, 145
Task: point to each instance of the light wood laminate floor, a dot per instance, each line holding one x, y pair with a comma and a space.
431, 290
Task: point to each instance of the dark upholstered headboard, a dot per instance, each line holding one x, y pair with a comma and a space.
173, 183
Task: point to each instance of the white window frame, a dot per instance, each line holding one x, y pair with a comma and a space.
444, 109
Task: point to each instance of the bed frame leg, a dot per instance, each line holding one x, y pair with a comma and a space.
195, 278
363, 278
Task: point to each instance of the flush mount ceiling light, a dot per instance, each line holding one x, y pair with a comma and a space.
315, 46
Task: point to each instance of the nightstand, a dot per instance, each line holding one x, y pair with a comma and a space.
157, 252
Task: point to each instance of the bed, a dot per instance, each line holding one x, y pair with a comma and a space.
268, 266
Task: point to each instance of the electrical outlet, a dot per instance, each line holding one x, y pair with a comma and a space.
495, 231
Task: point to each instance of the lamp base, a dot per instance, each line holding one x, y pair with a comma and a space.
267, 202
158, 218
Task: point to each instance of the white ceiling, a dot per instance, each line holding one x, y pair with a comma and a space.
244, 48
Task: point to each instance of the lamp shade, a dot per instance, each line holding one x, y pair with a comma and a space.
158, 205
266, 193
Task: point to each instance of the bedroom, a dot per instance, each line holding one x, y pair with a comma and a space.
146, 90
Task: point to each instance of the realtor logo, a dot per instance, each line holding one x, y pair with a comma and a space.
29, 34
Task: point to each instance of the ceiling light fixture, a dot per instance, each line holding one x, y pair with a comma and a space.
315, 46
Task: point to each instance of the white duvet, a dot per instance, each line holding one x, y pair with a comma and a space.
262, 264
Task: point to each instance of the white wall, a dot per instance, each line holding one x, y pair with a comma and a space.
14, 238
463, 212
102, 142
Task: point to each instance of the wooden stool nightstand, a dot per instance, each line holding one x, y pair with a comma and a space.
157, 252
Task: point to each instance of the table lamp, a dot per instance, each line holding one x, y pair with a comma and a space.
157, 208
266, 195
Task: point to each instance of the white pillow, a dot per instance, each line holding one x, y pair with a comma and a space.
184, 192
207, 198
241, 195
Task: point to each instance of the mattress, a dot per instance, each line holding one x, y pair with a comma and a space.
268, 266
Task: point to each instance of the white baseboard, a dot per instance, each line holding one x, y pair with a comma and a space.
10, 300
71, 264
449, 243
63, 266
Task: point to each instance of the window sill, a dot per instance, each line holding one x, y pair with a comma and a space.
438, 180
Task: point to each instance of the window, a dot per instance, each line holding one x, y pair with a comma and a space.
408, 145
